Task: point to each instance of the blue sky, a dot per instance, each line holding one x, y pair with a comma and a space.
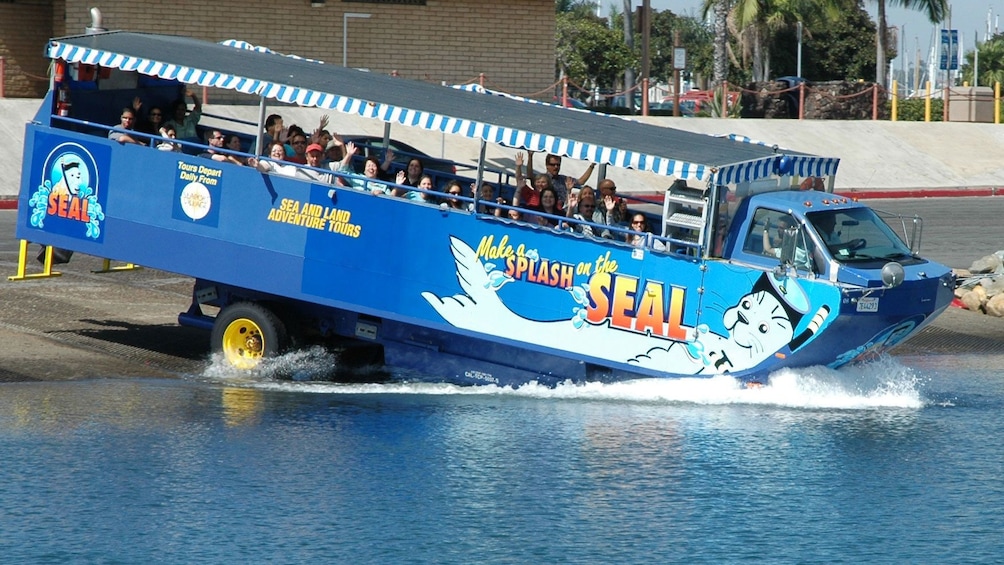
968, 16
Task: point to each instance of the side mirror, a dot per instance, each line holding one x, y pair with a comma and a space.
788, 245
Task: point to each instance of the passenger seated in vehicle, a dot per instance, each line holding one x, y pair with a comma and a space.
773, 235
214, 138
582, 207
126, 121
424, 182
274, 131
167, 132
152, 122
562, 184
527, 196
453, 190
275, 163
233, 142
826, 225
641, 233
485, 199
414, 171
185, 122
777, 225
298, 141
548, 206
371, 172
615, 206
333, 153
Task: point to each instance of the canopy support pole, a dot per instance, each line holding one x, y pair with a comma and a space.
481, 173
261, 128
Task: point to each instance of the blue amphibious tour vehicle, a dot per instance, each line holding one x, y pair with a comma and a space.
754, 263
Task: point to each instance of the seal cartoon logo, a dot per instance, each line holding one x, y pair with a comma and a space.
67, 194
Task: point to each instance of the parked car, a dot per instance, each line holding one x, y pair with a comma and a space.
693, 101
373, 145
686, 106
571, 103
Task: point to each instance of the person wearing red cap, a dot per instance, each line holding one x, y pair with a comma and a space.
313, 156
275, 164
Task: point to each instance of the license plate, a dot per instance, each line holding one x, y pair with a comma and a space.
868, 304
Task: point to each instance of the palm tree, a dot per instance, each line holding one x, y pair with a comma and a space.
755, 21
935, 9
720, 61
991, 62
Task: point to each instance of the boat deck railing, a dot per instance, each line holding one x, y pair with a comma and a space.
566, 225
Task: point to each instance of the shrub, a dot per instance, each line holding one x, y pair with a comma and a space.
912, 110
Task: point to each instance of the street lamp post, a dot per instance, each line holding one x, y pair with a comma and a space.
345, 33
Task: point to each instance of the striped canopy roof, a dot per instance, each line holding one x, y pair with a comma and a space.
502, 120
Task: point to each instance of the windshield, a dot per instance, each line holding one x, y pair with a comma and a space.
857, 235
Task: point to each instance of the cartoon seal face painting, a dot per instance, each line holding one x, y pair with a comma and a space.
759, 325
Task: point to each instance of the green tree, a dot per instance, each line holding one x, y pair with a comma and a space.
695, 37
935, 10
756, 22
991, 63
837, 49
581, 8
589, 53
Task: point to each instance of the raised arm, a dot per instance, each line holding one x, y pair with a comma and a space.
388, 158
350, 152
322, 125
571, 207
195, 100
585, 176
767, 249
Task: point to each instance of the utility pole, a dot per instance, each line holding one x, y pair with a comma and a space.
676, 74
646, 27
628, 72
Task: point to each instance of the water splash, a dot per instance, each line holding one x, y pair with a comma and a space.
303, 365
884, 383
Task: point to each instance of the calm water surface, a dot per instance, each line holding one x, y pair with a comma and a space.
897, 462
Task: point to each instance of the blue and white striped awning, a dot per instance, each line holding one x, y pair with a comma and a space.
504, 120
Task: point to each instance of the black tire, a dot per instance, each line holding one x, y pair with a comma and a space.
246, 333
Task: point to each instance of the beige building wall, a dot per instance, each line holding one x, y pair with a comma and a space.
454, 41
24, 27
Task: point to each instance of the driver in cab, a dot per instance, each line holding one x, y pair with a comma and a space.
776, 227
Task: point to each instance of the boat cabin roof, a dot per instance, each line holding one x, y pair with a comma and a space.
498, 119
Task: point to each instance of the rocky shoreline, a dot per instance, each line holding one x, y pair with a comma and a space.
981, 286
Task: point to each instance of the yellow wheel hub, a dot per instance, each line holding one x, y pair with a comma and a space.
243, 344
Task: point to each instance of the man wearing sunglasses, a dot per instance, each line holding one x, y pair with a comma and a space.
214, 138
559, 181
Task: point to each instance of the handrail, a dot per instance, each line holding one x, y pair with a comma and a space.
467, 200
229, 119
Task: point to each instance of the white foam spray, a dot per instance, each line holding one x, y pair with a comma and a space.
883, 383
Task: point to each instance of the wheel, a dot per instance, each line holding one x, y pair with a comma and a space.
246, 333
